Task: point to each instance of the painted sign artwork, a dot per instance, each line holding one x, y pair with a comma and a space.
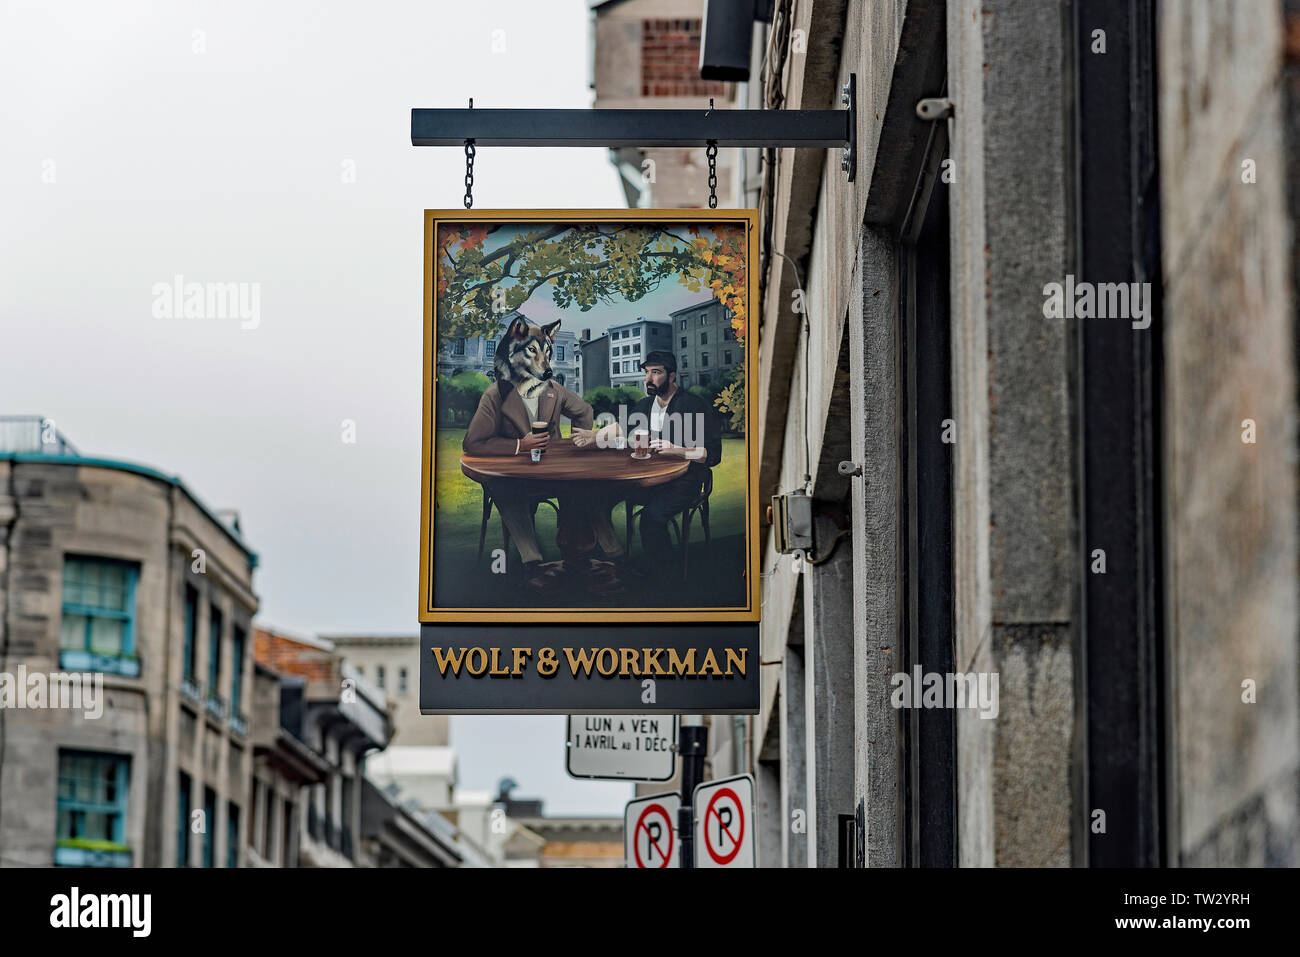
587, 421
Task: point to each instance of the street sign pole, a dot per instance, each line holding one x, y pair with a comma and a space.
693, 740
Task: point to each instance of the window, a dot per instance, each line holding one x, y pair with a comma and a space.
683, 342
183, 821
704, 338
237, 669
401, 681
704, 318
704, 360
636, 349
379, 676
98, 626
214, 659
209, 825
489, 347
232, 835
286, 833
361, 670
685, 362
704, 378
254, 795
458, 347
191, 630
559, 353
729, 334
92, 801
726, 357
683, 323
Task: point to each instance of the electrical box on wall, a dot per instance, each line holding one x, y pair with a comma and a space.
792, 522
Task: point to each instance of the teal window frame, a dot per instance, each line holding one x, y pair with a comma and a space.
77, 850
86, 658
184, 790
189, 659
215, 622
209, 828
238, 640
232, 835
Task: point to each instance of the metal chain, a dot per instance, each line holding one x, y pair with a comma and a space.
469, 173
712, 153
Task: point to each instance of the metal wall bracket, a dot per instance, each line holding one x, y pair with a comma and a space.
934, 108
618, 128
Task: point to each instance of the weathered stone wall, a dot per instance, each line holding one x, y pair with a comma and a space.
1230, 353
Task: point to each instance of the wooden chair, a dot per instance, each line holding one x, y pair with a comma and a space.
698, 506
505, 532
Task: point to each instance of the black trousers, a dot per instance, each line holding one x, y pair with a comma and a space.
659, 505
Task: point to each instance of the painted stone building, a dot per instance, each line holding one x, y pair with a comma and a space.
704, 343
476, 354
628, 344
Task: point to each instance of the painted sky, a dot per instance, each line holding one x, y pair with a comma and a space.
666, 298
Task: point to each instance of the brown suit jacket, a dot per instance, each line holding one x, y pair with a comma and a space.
502, 418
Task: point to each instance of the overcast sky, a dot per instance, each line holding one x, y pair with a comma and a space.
212, 140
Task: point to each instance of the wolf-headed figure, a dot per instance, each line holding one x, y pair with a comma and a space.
525, 391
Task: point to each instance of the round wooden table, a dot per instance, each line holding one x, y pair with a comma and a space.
576, 475
563, 462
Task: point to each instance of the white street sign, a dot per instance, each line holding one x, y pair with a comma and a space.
724, 823
622, 747
650, 831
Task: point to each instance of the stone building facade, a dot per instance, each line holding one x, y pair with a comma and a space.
1095, 502
391, 663
646, 56
116, 570
1071, 500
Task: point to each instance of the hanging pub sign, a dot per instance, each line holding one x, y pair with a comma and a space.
589, 535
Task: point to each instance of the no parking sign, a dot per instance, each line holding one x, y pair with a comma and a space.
724, 822
650, 831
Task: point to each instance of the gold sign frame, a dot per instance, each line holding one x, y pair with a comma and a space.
429, 612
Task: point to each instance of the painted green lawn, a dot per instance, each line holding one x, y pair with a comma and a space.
458, 503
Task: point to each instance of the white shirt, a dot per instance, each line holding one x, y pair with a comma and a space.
657, 415
530, 403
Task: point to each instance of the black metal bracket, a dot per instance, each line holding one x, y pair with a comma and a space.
616, 128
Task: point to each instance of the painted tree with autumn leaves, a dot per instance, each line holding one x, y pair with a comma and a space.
583, 265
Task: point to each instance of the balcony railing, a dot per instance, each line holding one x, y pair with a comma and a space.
74, 852
32, 434
216, 707
238, 724
71, 659
190, 689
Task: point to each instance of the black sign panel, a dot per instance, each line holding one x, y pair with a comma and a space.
592, 669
